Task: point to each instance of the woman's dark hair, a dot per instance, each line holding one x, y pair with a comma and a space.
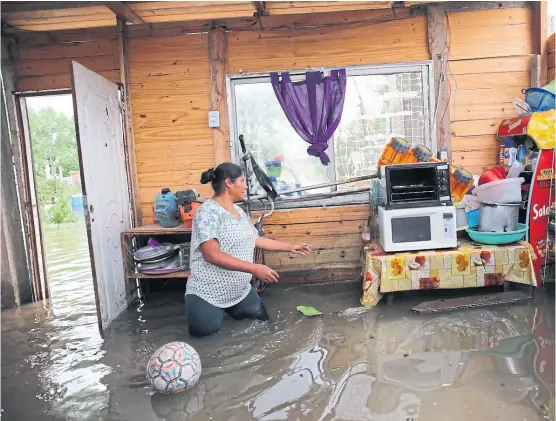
220, 174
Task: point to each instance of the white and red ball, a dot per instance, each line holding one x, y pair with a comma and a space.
173, 368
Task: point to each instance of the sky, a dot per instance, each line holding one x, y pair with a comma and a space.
61, 103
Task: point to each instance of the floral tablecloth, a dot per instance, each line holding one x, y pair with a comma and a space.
470, 265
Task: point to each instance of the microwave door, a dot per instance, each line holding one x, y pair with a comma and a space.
411, 229
414, 229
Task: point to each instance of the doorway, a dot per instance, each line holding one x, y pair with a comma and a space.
103, 168
60, 230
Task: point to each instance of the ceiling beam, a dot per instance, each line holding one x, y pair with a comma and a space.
33, 6
123, 12
260, 8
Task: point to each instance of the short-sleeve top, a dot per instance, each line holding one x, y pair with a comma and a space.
220, 287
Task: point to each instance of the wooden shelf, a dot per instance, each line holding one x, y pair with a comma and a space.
164, 276
154, 229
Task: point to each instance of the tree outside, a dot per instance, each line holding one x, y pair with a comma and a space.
55, 159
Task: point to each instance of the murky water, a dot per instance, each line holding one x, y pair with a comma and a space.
384, 364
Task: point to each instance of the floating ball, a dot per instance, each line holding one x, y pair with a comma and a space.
174, 367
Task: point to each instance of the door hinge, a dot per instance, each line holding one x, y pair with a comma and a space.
86, 213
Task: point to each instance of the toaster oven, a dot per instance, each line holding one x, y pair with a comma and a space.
425, 184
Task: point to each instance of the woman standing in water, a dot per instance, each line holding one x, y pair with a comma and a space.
222, 247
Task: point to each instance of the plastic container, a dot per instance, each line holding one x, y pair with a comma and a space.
539, 99
461, 181
422, 153
521, 152
473, 217
499, 217
273, 168
166, 209
516, 169
501, 191
510, 156
187, 217
497, 238
461, 217
396, 152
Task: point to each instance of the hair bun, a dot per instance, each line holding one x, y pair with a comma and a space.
208, 176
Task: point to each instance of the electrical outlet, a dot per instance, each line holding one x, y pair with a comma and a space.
214, 118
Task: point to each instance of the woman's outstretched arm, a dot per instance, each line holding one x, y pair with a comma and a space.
272, 245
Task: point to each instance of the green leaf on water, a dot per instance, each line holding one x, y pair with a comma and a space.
308, 311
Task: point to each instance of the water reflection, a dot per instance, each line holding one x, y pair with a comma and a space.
385, 364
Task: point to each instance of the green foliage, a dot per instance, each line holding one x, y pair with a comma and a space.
53, 140
54, 143
61, 212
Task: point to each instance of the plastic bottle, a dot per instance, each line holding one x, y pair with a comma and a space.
521, 152
422, 153
461, 181
397, 151
166, 209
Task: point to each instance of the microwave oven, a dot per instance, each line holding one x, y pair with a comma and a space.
416, 229
415, 185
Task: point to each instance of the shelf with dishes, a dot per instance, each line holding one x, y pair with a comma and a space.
151, 252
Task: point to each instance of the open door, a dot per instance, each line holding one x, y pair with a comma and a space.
98, 123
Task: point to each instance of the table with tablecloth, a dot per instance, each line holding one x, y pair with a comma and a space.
470, 265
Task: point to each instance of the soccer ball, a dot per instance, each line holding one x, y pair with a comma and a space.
174, 367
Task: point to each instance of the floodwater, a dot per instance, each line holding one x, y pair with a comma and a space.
384, 364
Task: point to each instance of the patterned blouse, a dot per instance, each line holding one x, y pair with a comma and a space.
220, 287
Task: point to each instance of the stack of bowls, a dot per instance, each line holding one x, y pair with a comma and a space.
499, 212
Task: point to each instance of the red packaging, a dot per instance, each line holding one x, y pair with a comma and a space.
537, 212
492, 174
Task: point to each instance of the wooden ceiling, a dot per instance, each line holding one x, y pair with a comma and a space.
59, 15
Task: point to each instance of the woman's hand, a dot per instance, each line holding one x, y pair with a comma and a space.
302, 249
264, 273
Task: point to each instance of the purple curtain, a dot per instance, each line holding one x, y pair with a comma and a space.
313, 107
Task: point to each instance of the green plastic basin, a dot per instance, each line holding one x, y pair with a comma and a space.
496, 238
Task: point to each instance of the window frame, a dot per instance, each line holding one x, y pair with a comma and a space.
429, 106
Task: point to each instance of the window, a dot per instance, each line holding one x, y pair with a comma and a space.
380, 102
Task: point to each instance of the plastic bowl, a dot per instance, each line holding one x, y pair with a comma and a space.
497, 238
500, 191
473, 217
539, 99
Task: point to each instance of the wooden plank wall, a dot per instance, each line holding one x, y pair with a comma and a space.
551, 57
489, 65
47, 65
335, 235
169, 82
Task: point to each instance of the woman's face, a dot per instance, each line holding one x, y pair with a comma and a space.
237, 189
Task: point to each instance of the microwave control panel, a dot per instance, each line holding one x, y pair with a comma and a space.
443, 180
449, 226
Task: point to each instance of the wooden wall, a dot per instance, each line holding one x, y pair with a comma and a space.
169, 82
334, 234
489, 65
42, 63
551, 57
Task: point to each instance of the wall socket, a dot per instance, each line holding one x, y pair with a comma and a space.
214, 118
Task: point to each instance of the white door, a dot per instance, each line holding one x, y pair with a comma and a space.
104, 180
